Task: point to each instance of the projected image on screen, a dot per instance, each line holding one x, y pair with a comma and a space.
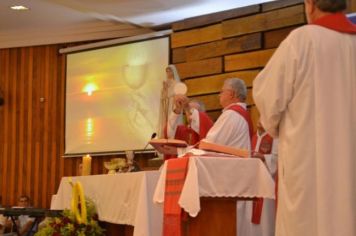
113, 96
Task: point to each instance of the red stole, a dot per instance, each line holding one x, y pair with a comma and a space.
187, 134
172, 213
245, 114
337, 22
264, 148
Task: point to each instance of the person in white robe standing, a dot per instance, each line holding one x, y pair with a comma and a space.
234, 128
306, 96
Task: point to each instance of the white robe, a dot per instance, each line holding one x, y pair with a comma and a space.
306, 95
231, 129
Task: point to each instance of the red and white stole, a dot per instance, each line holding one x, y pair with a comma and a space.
245, 114
172, 213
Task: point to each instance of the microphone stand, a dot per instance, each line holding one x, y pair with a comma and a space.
152, 137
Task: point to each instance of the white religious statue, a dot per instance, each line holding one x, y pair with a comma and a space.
171, 87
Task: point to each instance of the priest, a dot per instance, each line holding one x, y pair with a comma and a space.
193, 128
306, 96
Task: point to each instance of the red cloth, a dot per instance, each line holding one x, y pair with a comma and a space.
187, 134
246, 115
175, 177
337, 22
264, 148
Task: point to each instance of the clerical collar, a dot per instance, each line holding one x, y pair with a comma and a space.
336, 21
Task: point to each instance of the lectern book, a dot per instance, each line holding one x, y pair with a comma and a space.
168, 146
223, 149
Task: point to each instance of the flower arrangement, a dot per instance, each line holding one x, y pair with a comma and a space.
74, 222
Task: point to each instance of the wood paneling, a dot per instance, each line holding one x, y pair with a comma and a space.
224, 47
32, 125
280, 4
200, 68
178, 55
265, 21
214, 18
273, 38
196, 36
213, 84
211, 101
248, 60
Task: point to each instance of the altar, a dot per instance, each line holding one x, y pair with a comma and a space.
213, 186
134, 198
123, 199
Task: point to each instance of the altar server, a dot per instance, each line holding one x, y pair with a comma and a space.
306, 96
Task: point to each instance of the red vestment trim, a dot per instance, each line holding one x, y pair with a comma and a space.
187, 134
172, 212
337, 22
264, 148
246, 115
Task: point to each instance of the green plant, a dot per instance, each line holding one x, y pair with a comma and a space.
67, 224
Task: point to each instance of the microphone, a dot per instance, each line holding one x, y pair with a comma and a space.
135, 166
152, 137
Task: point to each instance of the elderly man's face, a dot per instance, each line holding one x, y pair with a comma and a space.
225, 97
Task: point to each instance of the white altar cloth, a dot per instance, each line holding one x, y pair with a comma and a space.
120, 199
219, 177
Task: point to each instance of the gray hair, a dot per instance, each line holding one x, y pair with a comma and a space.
238, 86
331, 5
175, 72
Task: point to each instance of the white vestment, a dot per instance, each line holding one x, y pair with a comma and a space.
306, 95
231, 129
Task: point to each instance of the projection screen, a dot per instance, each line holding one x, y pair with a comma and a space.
113, 96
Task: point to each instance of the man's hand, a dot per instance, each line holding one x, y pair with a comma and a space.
181, 102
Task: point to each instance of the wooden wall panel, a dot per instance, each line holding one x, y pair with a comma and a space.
265, 21
213, 84
263, 27
200, 68
224, 47
273, 38
279, 4
196, 36
32, 129
209, 19
248, 60
178, 55
211, 101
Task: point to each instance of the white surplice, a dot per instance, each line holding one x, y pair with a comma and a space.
306, 95
230, 129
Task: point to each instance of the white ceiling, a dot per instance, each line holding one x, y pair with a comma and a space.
55, 21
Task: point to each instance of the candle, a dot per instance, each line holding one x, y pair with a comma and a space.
86, 169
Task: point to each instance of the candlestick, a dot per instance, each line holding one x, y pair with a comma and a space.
86, 165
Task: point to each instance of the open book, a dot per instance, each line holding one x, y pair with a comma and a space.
223, 149
168, 146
